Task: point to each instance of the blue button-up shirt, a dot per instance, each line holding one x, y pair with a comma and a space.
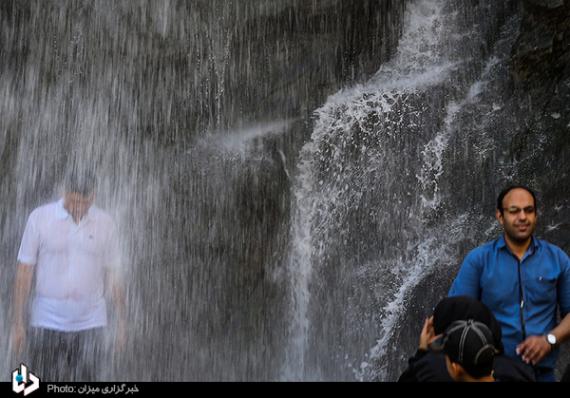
537, 284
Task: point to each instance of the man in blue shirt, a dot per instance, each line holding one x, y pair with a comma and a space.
524, 281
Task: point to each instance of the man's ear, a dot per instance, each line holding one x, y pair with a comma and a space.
499, 216
457, 371
452, 369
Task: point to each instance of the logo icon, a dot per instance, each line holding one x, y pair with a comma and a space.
20, 379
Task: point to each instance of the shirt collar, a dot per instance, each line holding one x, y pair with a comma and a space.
60, 211
62, 214
501, 243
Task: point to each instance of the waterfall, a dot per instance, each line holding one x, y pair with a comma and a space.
294, 181
368, 222
193, 113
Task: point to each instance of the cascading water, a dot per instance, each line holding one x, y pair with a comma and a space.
263, 239
368, 221
193, 112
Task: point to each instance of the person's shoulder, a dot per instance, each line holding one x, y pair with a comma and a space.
43, 210
509, 369
553, 249
481, 250
101, 215
489, 245
428, 367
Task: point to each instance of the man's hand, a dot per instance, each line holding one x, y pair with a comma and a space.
119, 299
534, 349
427, 335
17, 338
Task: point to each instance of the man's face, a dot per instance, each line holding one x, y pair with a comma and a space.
77, 205
519, 215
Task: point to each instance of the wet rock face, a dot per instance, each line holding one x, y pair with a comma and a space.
209, 63
542, 51
541, 70
546, 3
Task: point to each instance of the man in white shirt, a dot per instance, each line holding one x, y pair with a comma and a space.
72, 248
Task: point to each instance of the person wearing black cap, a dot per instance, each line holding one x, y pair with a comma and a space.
525, 282
469, 350
429, 362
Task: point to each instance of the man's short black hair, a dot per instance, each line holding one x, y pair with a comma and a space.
508, 189
83, 182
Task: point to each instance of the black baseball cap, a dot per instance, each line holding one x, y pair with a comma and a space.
469, 343
456, 308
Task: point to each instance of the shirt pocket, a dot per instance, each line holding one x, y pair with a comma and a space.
88, 244
545, 289
549, 281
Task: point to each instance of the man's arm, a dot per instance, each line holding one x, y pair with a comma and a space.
27, 259
118, 298
114, 284
467, 282
22, 288
562, 331
535, 348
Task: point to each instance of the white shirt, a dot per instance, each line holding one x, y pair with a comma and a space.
70, 261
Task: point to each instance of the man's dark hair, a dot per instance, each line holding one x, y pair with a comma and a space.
508, 189
83, 182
